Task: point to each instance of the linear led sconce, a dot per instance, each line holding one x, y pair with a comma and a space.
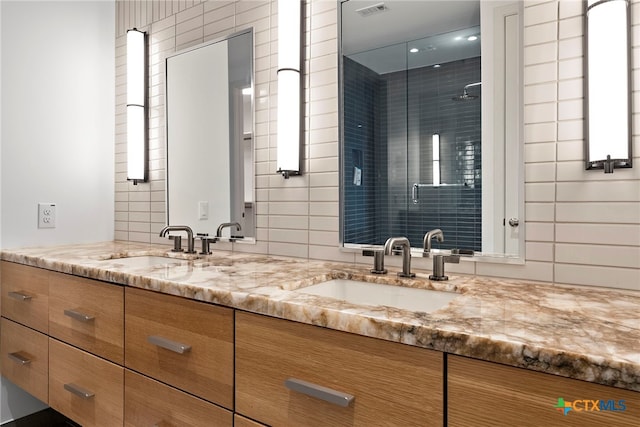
435, 144
288, 127
136, 107
607, 85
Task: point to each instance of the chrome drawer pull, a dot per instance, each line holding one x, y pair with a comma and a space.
19, 358
74, 314
174, 346
319, 392
78, 391
20, 296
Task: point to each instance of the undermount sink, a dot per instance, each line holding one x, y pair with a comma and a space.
366, 293
144, 261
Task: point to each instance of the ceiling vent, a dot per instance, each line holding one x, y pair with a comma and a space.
371, 10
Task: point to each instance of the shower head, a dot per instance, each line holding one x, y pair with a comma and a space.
465, 97
465, 93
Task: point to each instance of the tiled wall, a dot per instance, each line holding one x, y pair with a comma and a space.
582, 227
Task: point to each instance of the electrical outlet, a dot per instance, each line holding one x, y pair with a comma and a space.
46, 215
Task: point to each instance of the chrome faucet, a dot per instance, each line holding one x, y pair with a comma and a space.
403, 242
177, 239
227, 225
428, 237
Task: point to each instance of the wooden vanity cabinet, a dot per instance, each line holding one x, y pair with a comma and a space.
391, 383
87, 314
184, 343
483, 393
84, 387
25, 358
25, 295
151, 403
240, 421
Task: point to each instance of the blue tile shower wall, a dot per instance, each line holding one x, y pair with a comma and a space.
403, 110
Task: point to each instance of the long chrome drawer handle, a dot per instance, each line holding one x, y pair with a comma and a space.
20, 296
319, 392
19, 358
79, 391
74, 314
168, 344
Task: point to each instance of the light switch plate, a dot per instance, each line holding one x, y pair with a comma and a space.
203, 210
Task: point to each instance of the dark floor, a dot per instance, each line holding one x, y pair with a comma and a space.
46, 418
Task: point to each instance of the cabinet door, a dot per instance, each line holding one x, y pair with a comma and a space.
149, 403
184, 343
25, 295
391, 383
240, 421
488, 394
84, 387
25, 358
87, 314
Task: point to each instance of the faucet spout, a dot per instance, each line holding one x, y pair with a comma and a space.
185, 228
428, 237
228, 225
403, 242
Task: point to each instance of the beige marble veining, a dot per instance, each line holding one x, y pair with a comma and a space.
585, 333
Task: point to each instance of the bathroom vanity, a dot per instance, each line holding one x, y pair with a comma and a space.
107, 335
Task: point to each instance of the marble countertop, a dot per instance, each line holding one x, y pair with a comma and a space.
586, 333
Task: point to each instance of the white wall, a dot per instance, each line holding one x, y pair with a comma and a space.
58, 120
57, 127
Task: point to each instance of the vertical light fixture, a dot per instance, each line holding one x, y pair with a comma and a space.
136, 107
435, 144
607, 85
288, 127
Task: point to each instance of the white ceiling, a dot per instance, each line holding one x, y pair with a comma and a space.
439, 29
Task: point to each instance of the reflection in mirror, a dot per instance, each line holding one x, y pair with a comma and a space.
209, 111
422, 135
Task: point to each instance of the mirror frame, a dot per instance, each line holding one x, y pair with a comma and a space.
502, 258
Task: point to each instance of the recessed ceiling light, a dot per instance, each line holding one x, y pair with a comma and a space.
436, 66
414, 50
472, 38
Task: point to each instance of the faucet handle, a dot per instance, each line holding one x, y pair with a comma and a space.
378, 260
177, 243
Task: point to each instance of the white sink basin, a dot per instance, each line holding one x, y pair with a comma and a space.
144, 261
357, 292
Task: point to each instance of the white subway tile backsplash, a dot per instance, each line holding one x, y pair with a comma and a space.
599, 234
570, 89
539, 212
615, 277
300, 217
601, 255
542, 33
599, 212
541, 13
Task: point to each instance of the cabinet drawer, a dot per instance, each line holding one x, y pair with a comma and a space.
184, 343
87, 314
84, 387
240, 421
25, 295
25, 358
149, 402
529, 398
392, 384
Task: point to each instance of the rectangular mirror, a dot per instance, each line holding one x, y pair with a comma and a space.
431, 124
209, 113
